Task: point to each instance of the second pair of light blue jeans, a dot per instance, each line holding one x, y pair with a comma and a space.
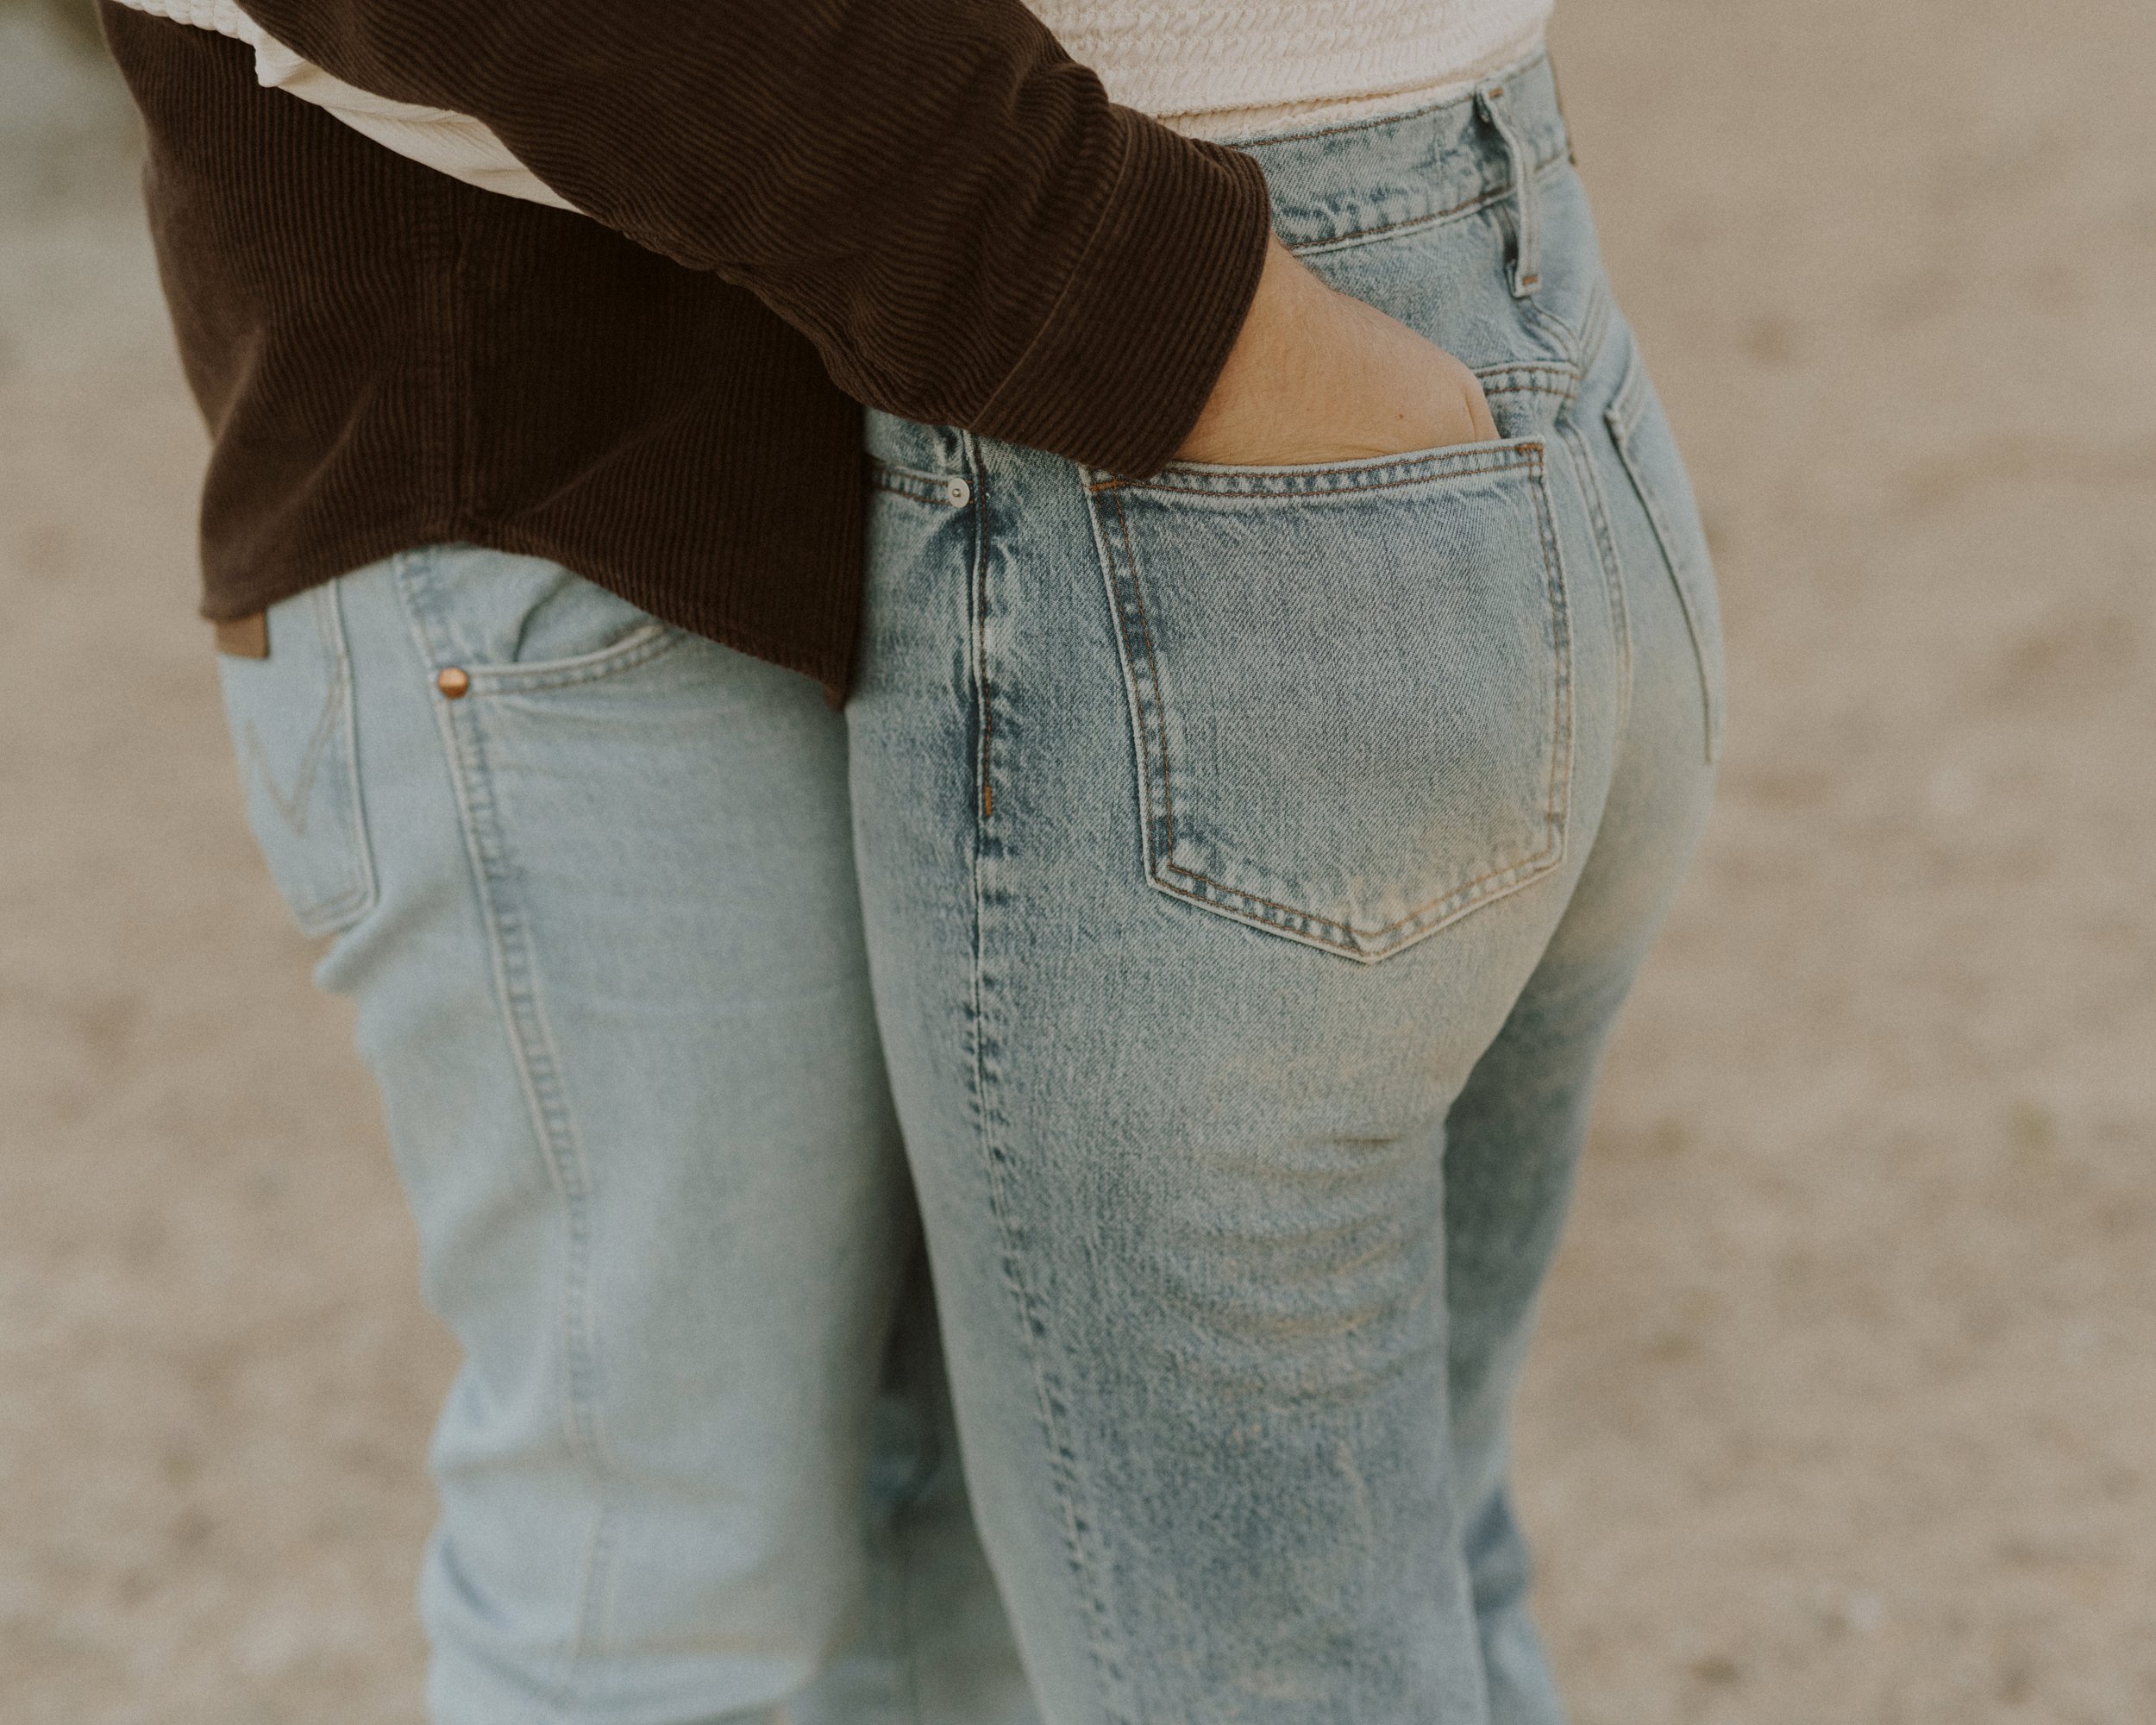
1024, 1199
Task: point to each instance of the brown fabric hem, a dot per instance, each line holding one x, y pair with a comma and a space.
325, 559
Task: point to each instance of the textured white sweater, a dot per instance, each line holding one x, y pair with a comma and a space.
1224, 68
1214, 68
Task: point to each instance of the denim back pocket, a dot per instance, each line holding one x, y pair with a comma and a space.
291, 716
1648, 449
1350, 688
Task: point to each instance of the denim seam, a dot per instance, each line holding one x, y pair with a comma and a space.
1593, 329
1564, 393
1062, 1460
1427, 918
539, 1076
1612, 568
1559, 334
1593, 335
921, 487
1623, 412
1525, 273
1562, 380
342, 912
1562, 742
331, 620
1623, 420
645, 642
1519, 455
1487, 198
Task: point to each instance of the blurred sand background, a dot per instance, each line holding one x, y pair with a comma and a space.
1844, 1408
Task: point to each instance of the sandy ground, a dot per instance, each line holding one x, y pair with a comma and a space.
1846, 1404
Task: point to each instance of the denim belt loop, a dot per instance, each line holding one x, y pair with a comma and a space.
1495, 101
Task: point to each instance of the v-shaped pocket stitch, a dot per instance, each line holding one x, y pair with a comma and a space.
307, 819
294, 808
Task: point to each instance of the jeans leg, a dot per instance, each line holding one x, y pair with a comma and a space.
1183, 1181
594, 901
1513, 1136
1185, 1172
942, 1649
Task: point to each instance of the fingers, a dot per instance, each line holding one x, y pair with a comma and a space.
1478, 413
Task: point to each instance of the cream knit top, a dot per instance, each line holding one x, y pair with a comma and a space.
1229, 68
1212, 68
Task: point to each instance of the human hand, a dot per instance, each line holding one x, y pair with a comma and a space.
1318, 376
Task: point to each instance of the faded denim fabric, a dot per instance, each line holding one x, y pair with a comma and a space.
609, 976
1156, 1019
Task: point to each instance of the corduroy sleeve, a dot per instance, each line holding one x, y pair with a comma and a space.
943, 202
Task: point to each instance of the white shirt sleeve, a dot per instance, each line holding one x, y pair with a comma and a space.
439, 138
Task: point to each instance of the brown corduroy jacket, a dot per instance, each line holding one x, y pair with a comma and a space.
787, 207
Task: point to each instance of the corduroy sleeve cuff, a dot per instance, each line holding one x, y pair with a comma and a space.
1118, 375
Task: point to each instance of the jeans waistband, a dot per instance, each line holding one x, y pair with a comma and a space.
1343, 184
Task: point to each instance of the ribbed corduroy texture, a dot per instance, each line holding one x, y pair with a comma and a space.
925, 203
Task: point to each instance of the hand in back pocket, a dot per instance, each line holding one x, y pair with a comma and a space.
1318, 376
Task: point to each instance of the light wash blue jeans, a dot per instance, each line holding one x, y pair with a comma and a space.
1156, 1021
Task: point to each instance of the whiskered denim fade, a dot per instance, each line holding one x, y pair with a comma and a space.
1024, 1199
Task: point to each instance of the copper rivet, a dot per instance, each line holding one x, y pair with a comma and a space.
453, 682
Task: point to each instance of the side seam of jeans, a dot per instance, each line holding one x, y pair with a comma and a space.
1612, 566
508, 927
1049, 1396
1583, 347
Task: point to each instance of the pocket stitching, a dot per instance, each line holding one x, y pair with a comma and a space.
332, 915
345, 910
419, 583
1433, 913
647, 641
1425, 468
1409, 224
